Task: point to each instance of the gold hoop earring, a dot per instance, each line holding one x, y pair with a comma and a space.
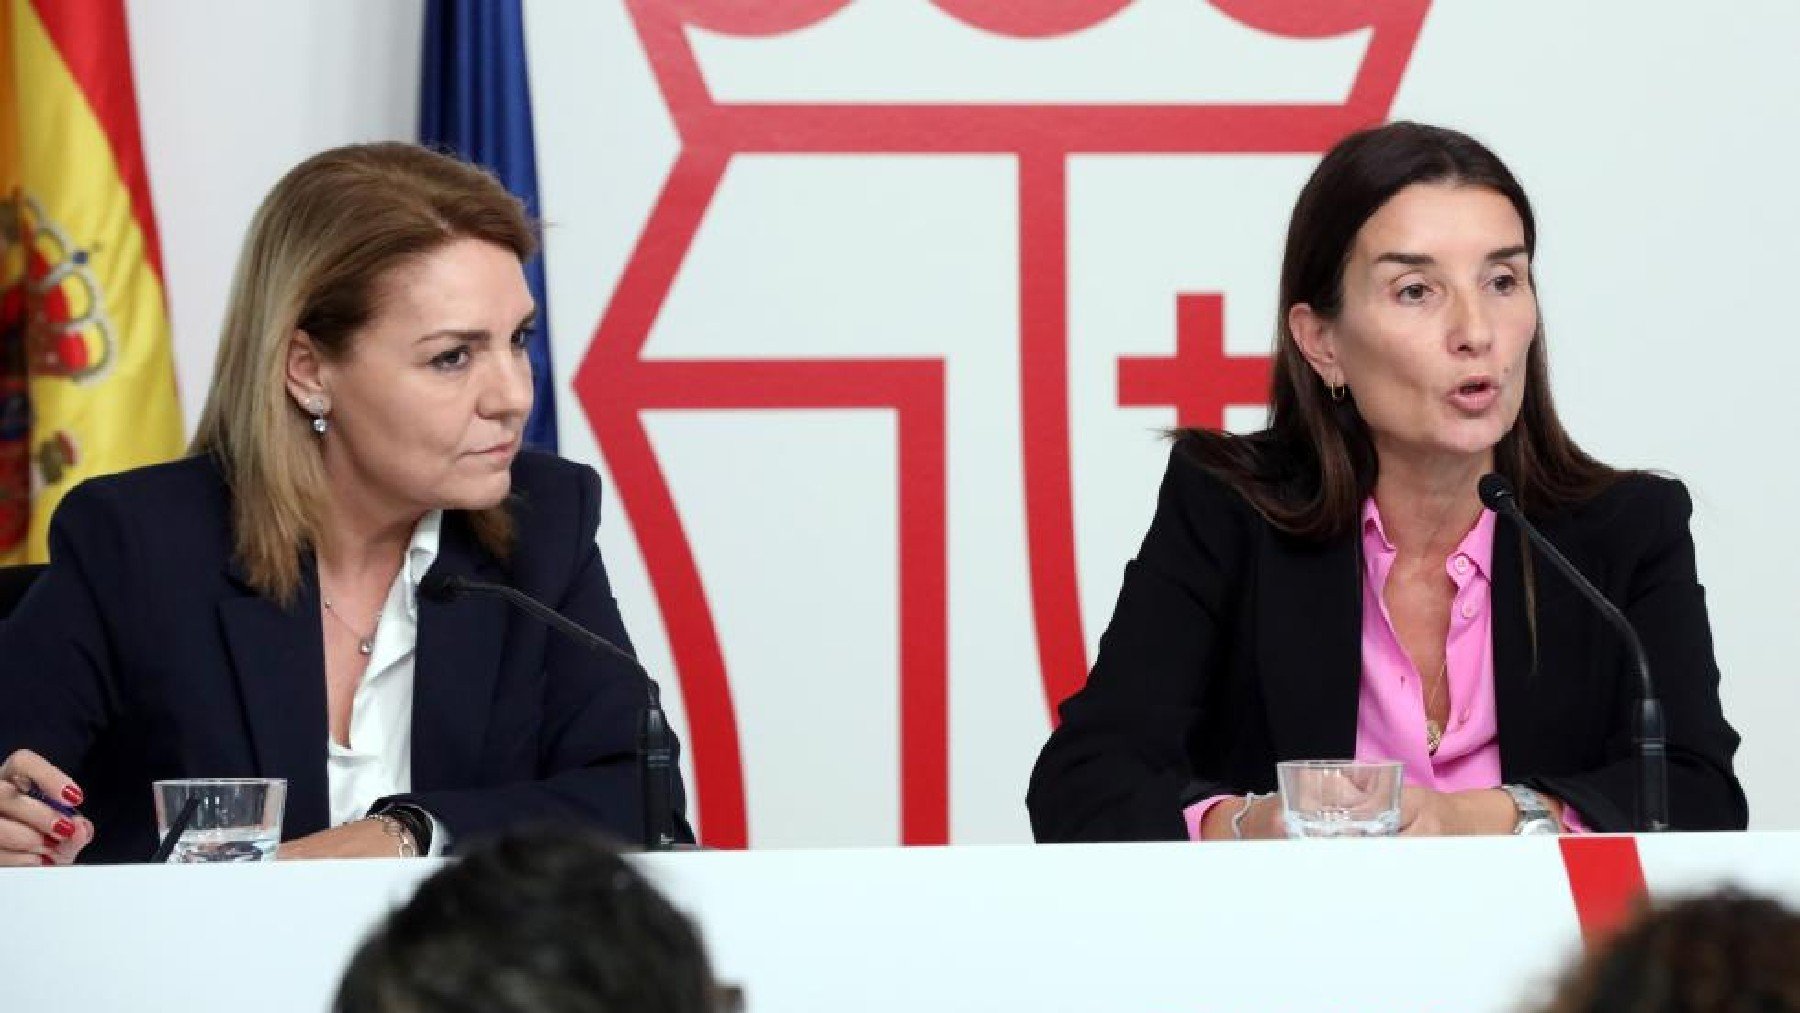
1337, 391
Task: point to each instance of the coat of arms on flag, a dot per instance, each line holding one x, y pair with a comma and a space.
86, 373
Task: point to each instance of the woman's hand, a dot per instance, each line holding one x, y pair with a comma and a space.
365, 838
32, 833
1261, 822
1427, 813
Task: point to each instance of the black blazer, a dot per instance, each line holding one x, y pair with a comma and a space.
143, 654
1233, 646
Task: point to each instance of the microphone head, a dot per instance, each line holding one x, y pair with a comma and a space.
1497, 493
440, 588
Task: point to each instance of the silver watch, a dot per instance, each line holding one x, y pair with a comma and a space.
1535, 816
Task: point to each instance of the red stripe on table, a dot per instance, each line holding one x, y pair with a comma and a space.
1607, 880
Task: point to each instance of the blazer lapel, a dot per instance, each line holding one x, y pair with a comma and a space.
1514, 659
278, 658
1536, 681
1310, 646
456, 666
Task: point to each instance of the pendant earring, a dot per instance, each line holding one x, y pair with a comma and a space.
1338, 391
317, 406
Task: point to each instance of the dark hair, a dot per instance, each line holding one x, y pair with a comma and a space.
1724, 952
544, 921
1309, 472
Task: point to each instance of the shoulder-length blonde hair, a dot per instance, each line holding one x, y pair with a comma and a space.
313, 261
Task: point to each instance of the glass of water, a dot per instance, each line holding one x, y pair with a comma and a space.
1340, 798
236, 819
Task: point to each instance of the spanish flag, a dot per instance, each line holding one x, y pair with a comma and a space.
87, 379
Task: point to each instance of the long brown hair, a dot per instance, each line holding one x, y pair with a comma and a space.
313, 261
1309, 472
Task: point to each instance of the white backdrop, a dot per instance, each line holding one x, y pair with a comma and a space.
1655, 139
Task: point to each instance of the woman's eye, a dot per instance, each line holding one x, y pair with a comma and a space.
451, 359
1415, 292
1506, 284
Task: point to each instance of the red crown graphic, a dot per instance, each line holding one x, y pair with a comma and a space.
617, 384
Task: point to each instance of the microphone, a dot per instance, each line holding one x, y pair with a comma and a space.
656, 757
1652, 813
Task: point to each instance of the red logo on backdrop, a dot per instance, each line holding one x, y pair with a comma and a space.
617, 384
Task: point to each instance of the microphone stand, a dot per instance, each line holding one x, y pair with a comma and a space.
1648, 729
656, 757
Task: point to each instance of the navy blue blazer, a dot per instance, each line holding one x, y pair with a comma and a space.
142, 653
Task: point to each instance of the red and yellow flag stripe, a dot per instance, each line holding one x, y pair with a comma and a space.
84, 330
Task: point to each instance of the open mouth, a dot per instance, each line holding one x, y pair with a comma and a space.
1475, 395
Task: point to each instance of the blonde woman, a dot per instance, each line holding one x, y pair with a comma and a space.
251, 610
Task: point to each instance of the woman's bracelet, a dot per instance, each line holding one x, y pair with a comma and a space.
412, 820
1237, 818
404, 845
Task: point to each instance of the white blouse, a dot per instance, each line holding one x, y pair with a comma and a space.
378, 761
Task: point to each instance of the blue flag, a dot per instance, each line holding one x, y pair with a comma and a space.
476, 101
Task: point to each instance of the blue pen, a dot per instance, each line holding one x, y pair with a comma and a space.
62, 808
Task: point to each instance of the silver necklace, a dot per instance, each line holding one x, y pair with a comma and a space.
364, 645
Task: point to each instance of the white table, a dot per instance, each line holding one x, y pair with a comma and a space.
1472, 924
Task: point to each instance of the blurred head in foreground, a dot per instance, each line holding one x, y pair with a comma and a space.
1725, 952
540, 921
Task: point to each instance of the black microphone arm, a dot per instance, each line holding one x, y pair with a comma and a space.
655, 756
1652, 813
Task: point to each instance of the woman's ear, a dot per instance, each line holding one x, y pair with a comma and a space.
305, 371
1317, 341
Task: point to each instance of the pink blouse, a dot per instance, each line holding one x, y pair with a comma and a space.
1390, 707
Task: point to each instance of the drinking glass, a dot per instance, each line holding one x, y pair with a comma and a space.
1339, 798
237, 819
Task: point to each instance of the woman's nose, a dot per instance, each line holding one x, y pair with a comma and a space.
1471, 326
509, 390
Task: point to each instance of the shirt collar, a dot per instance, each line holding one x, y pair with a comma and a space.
1375, 537
421, 552
1478, 544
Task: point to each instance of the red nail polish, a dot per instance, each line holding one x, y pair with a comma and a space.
64, 829
50, 842
46, 859
72, 795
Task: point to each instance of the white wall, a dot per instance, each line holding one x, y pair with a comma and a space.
231, 93
1655, 138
